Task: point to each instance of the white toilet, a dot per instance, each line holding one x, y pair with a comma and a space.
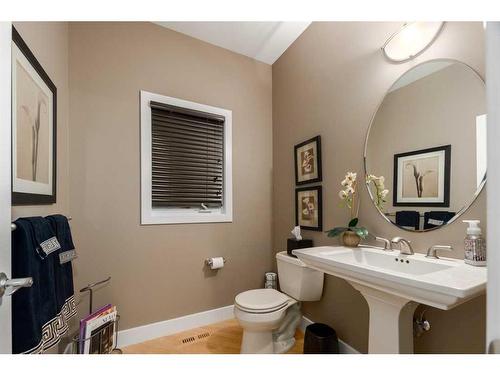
270, 318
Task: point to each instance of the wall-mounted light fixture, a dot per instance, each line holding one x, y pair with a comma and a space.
411, 40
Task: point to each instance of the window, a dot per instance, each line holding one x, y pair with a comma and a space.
185, 161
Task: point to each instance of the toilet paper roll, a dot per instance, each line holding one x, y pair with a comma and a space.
217, 263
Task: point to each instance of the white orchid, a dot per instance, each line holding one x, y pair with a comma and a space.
384, 193
351, 176
380, 191
349, 180
348, 194
379, 181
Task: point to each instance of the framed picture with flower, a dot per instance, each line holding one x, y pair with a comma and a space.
34, 115
308, 161
309, 208
422, 177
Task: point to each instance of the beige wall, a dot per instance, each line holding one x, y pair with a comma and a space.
158, 270
437, 110
330, 82
49, 43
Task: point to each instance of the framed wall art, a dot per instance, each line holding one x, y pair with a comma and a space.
34, 133
308, 161
422, 178
308, 208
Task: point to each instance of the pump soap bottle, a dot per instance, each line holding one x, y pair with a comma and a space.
475, 245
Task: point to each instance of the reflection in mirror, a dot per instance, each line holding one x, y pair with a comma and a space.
426, 146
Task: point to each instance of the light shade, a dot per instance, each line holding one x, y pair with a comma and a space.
411, 40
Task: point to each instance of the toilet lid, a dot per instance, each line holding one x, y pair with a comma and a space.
261, 300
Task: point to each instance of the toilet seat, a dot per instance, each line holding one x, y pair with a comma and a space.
261, 301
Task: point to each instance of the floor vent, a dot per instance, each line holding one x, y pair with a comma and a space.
203, 335
188, 340
191, 339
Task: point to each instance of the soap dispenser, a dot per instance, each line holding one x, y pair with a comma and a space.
475, 245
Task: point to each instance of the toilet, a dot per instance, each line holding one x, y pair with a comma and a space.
269, 318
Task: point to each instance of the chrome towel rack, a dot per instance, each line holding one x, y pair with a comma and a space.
90, 288
14, 227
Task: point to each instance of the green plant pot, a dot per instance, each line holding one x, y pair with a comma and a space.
350, 239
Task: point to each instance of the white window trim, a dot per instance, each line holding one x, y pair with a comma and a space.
150, 215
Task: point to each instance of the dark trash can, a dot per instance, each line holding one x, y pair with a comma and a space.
320, 339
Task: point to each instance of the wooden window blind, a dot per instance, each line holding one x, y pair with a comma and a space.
187, 157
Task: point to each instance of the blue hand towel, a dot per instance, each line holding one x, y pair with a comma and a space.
408, 219
62, 266
434, 219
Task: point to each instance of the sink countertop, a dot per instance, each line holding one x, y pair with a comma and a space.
445, 276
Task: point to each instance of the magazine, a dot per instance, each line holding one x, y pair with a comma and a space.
93, 325
83, 323
97, 331
102, 339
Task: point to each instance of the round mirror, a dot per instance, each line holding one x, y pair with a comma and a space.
425, 151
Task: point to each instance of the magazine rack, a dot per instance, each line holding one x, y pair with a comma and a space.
77, 343
100, 338
90, 288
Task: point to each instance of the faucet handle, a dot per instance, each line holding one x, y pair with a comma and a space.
387, 243
432, 251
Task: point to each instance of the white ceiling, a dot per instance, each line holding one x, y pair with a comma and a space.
263, 41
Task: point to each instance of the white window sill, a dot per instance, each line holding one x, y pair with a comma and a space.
157, 218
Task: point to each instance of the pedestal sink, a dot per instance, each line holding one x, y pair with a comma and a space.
393, 286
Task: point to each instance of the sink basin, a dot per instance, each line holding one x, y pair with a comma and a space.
394, 285
385, 262
442, 283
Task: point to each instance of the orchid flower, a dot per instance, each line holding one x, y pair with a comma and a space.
380, 191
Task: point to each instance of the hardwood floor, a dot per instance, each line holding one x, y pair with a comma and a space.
218, 338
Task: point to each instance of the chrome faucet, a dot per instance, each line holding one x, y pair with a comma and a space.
432, 251
404, 245
387, 243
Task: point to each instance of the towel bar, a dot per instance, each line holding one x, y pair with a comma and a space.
14, 227
15, 284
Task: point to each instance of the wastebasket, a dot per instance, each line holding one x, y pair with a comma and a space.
320, 339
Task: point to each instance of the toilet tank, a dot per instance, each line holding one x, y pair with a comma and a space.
297, 280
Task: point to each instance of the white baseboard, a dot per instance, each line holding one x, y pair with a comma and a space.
170, 327
344, 348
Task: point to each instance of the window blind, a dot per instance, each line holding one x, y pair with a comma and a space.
187, 157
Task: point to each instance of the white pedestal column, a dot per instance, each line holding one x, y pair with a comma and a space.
391, 321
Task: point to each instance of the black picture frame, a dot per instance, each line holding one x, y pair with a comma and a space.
317, 141
23, 198
447, 177
319, 191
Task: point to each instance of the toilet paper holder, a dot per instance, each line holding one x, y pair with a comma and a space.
209, 261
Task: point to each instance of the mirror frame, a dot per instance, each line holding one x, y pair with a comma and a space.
479, 189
